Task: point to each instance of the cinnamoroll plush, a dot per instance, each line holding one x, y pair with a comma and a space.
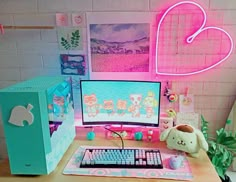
185, 138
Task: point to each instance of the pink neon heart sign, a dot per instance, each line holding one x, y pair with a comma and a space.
194, 37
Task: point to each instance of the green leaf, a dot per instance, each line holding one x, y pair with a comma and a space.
202, 118
228, 121
204, 127
221, 134
231, 147
65, 43
75, 39
226, 155
229, 140
220, 172
214, 160
213, 145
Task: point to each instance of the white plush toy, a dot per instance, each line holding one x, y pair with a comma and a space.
185, 138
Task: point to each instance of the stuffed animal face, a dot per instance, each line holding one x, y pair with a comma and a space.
184, 138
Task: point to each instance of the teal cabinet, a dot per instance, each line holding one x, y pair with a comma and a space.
38, 122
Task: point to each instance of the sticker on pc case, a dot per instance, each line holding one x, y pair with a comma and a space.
19, 114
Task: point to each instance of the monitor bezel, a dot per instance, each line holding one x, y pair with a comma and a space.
90, 123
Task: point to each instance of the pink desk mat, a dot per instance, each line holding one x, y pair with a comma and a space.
182, 173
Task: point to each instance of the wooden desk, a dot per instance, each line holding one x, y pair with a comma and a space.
201, 167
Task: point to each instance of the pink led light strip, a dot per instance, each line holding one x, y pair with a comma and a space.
191, 38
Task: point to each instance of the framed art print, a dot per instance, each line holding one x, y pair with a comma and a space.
72, 64
119, 45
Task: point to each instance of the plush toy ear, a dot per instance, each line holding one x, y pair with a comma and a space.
202, 141
165, 134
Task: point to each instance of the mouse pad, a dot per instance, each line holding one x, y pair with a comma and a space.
181, 173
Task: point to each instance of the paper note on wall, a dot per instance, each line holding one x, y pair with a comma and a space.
61, 19
188, 118
77, 19
186, 103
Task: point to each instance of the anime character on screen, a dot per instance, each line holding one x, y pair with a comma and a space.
136, 104
150, 103
121, 107
108, 105
92, 107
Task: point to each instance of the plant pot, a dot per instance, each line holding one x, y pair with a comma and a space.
227, 179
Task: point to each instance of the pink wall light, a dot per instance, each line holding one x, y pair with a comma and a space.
191, 39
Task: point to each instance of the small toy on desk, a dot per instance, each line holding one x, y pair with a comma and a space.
115, 132
91, 135
123, 134
184, 138
138, 136
165, 122
176, 161
150, 134
171, 113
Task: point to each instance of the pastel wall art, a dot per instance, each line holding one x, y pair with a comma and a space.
188, 42
77, 19
120, 47
70, 39
72, 64
186, 103
61, 19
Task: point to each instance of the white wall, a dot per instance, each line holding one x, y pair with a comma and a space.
28, 53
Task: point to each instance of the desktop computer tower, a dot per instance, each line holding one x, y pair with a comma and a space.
38, 122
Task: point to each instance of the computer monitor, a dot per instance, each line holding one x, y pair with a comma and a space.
110, 102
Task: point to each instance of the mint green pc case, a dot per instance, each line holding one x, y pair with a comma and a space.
38, 122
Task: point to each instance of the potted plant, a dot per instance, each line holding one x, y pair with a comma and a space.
221, 148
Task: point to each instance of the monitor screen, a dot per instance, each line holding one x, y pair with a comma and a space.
120, 102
